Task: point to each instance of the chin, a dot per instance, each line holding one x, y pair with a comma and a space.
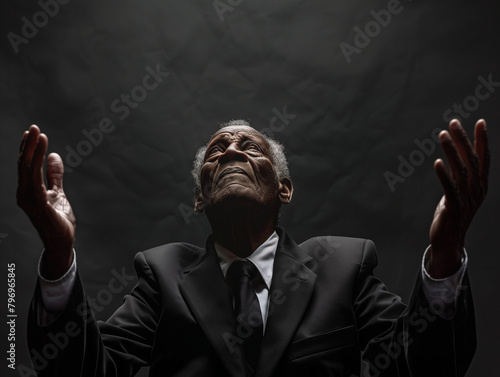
235, 201
237, 196
235, 192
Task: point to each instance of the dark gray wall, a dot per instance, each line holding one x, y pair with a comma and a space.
355, 107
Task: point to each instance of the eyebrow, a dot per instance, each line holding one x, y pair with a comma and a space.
225, 136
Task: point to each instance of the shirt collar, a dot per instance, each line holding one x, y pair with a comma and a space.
262, 257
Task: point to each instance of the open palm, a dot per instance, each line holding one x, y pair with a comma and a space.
48, 209
465, 185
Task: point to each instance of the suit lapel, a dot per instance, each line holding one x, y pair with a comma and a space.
291, 288
210, 301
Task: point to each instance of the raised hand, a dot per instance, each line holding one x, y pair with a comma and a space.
465, 185
48, 210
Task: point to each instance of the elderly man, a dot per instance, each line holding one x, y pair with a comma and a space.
253, 302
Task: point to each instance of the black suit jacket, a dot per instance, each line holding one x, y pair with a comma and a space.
328, 316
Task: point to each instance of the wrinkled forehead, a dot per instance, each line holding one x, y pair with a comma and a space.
239, 132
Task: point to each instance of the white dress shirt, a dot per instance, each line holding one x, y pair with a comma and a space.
263, 259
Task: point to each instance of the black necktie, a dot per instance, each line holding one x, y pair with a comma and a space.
247, 309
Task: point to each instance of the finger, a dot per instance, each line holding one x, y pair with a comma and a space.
457, 167
29, 146
55, 172
464, 148
23, 141
20, 175
37, 164
482, 149
446, 181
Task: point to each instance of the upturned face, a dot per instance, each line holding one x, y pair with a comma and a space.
238, 171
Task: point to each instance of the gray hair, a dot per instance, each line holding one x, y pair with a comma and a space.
276, 149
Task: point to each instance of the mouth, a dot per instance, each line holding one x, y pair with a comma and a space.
229, 171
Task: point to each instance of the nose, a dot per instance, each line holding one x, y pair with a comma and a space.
232, 153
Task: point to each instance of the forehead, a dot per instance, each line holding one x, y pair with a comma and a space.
238, 132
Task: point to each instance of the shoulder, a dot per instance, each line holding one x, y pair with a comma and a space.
177, 255
346, 243
350, 250
338, 261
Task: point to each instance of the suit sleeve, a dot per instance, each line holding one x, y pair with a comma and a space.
410, 341
75, 344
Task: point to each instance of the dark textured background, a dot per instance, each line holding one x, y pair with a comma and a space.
352, 122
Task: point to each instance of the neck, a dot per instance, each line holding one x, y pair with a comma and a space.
240, 231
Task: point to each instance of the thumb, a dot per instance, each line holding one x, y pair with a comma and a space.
55, 172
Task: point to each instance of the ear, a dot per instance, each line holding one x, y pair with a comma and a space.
199, 204
285, 190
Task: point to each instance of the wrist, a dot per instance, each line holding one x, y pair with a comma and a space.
55, 263
443, 262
